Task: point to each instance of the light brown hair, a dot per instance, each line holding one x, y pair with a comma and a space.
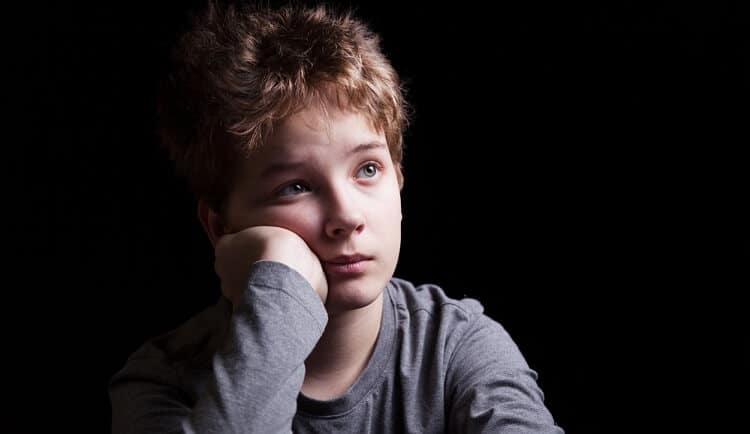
239, 71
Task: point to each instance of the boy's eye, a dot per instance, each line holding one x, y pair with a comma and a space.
369, 170
293, 188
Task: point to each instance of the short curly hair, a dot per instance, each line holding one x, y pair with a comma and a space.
240, 70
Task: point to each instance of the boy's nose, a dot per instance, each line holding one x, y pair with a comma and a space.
344, 217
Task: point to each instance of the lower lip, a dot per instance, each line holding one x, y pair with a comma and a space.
350, 268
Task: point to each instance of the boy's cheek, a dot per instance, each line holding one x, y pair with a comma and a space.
243, 219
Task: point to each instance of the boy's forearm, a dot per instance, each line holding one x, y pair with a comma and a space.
257, 372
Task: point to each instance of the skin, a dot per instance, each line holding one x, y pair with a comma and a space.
324, 185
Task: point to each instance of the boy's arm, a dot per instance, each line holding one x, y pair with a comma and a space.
257, 372
490, 386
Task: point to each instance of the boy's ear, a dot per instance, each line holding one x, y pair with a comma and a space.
212, 222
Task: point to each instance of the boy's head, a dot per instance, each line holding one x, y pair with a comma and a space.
293, 118
239, 72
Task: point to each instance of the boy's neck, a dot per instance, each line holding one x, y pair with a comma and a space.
343, 351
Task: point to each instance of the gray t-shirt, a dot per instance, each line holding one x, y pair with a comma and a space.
439, 365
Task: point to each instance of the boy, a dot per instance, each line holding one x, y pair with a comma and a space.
288, 124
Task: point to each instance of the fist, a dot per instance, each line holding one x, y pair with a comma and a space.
236, 252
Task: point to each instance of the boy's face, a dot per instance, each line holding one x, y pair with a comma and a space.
330, 180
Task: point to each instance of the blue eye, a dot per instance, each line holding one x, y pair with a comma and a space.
369, 170
293, 189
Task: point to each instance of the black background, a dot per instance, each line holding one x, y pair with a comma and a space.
563, 165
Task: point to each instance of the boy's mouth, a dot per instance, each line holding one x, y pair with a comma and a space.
347, 265
347, 259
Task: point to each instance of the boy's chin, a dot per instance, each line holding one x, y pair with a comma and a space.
347, 296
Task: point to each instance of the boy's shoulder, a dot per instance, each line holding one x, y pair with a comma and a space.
435, 322
182, 357
191, 344
429, 310
431, 299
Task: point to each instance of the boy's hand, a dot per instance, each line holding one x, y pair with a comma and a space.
236, 252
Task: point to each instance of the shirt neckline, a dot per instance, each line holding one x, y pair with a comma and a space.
368, 379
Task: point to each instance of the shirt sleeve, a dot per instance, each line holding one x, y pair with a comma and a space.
490, 386
256, 374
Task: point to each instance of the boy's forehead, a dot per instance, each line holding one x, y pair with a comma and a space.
298, 140
312, 127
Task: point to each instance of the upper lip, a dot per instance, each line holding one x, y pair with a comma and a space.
347, 259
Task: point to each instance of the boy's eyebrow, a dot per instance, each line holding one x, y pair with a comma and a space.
280, 167
362, 147
285, 166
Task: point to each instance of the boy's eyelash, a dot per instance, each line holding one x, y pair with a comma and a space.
278, 192
371, 163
